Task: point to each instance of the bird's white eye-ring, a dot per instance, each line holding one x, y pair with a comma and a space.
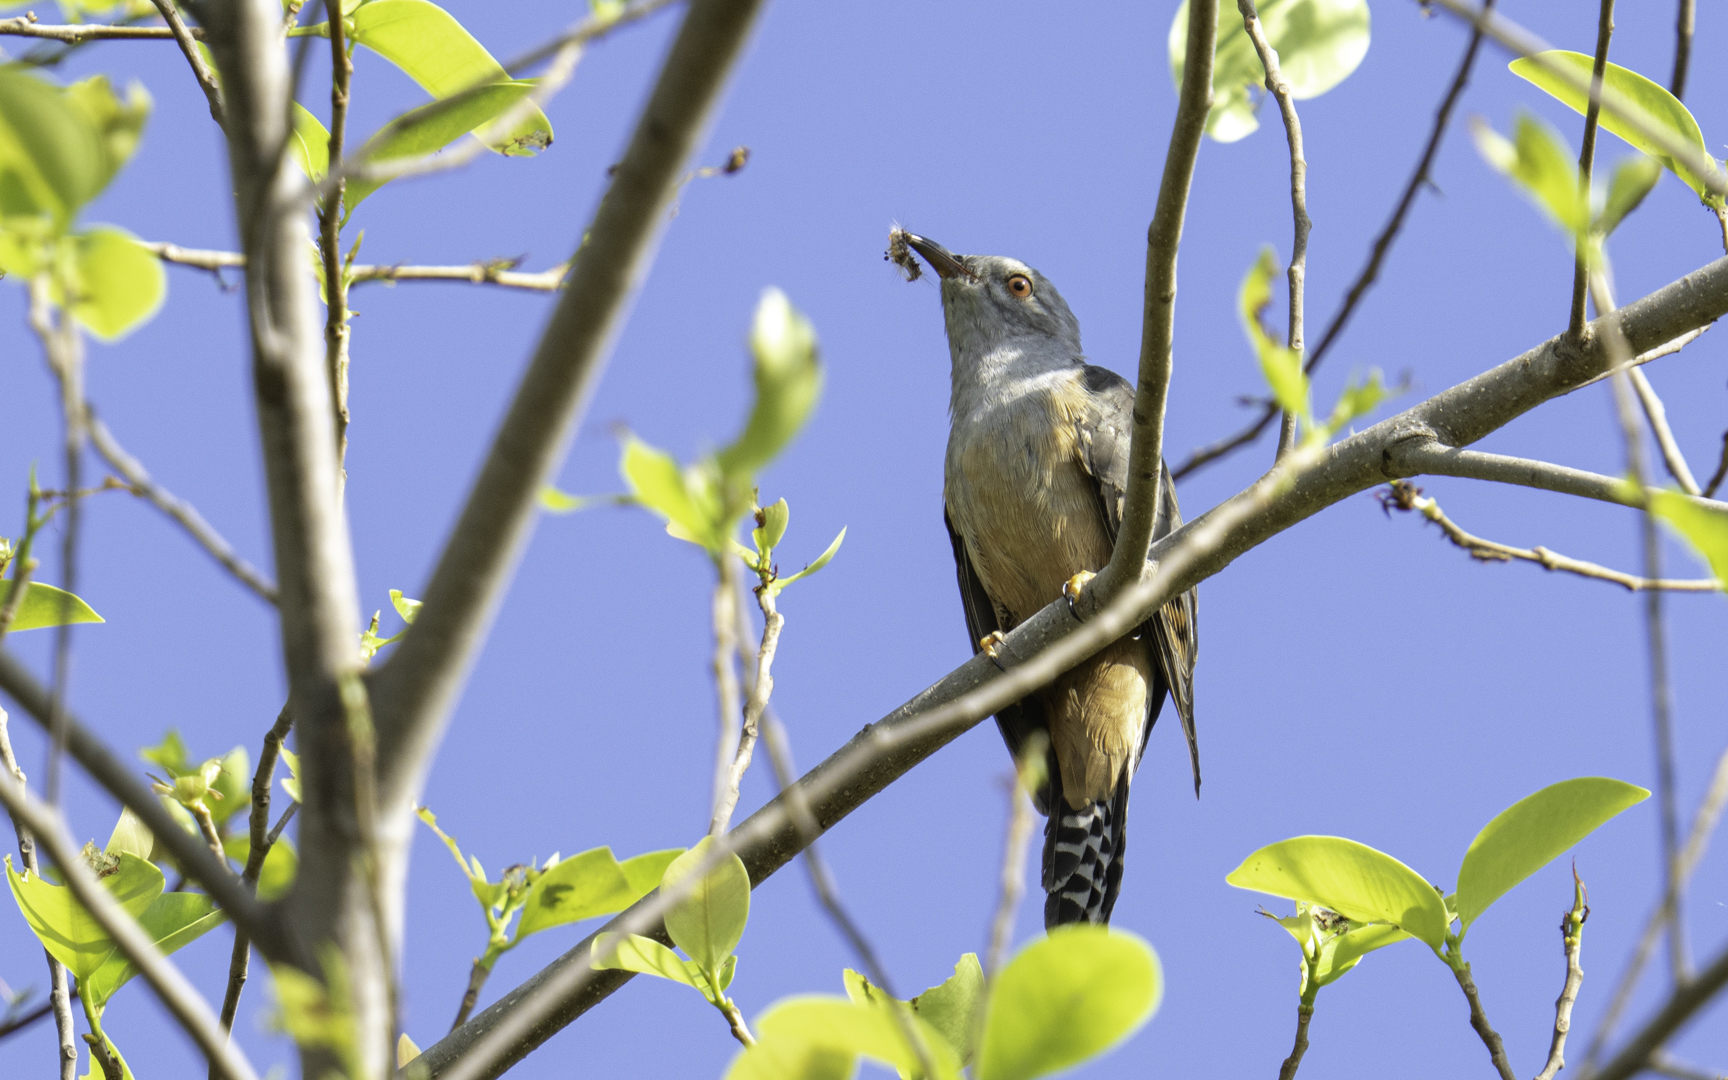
1020, 285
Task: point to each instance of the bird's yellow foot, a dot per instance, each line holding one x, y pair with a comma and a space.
991, 645
1075, 585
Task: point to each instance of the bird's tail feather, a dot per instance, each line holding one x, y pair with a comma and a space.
1083, 852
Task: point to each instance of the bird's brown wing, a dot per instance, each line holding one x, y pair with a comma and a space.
1018, 721
1172, 634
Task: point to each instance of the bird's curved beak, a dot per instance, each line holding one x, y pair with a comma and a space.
944, 262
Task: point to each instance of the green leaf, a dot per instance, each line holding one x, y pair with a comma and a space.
42, 607
131, 836
775, 518
1357, 882
708, 923
53, 160
845, 1030
579, 887
433, 49
1655, 106
1538, 160
793, 1059
689, 500
234, 783
431, 128
1706, 530
64, 925
280, 865
310, 144
788, 376
1360, 398
120, 125
116, 284
1533, 832
291, 783
949, 1008
645, 871
1281, 365
170, 753
1633, 179
555, 501
1318, 42
171, 921
1343, 951
408, 609
476, 875
320, 1014
406, 1050
822, 560
1065, 999
633, 952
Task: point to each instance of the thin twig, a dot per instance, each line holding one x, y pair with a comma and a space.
726, 616
78, 33
189, 46
1587, 161
1572, 943
182, 1000
59, 993
761, 688
181, 511
1721, 472
735, 1020
1419, 179
330, 214
1665, 441
501, 272
1280, 91
1683, 25
22, 568
1660, 702
1403, 496
19, 1023
1425, 455
1697, 840
1019, 831
1479, 1018
259, 848
1304, 1015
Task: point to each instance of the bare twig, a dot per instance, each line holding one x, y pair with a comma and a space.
22, 568
762, 686
1425, 455
1665, 441
1479, 1018
1018, 832
1304, 1015
1668, 348
181, 511
1572, 943
78, 33
59, 994
735, 1020
1280, 91
189, 46
19, 1023
182, 1000
501, 272
727, 618
1721, 472
1683, 25
1587, 161
1404, 496
1158, 313
330, 214
1419, 179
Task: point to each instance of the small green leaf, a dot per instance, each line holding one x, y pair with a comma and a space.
1319, 44
1531, 833
793, 1059
689, 500
708, 923
562, 502
291, 782
1360, 398
116, 284
822, 560
170, 753
775, 518
234, 783
310, 144
53, 160
1344, 951
1706, 530
1065, 999
579, 887
846, 1030
119, 125
1538, 160
949, 1008
431, 128
66, 929
433, 49
1281, 365
476, 874
171, 921
1357, 882
280, 865
1633, 179
633, 952
645, 871
43, 606
320, 1014
788, 376
406, 1050
1657, 107
408, 609
131, 836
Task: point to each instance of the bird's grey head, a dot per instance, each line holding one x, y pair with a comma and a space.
994, 305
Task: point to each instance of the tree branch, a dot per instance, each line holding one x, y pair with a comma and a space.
1683, 24
1587, 159
181, 999
1658, 417
1479, 1019
1572, 942
59, 995
1434, 458
1158, 314
1280, 91
1406, 497
189, 46
761, 688
182, 512
417, 687
1681, 1004
257, 850
1370, 272
729, 625
501, 272
330, 213
78, 33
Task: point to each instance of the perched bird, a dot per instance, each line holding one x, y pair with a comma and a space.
1033, 486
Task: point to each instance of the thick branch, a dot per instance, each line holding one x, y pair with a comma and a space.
1681, 1004
1158, 318
180, 997
417, 687
882, 752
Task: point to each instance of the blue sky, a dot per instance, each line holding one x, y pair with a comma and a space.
1357, 675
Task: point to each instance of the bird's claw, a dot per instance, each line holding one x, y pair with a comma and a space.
991, 645
1074, 586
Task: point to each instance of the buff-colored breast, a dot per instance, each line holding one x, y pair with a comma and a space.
1016, 490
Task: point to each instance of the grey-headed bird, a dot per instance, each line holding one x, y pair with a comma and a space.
1033, 486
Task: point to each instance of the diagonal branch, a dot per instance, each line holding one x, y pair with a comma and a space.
1158, 313
1675, 1011
189, 46
1587, 159
416, 689
1658, 417
182, 1000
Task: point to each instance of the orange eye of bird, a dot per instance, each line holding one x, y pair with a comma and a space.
1020, 285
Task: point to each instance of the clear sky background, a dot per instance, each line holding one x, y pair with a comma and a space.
1357, 675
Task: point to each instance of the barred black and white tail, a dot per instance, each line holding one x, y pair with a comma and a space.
1083, 852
